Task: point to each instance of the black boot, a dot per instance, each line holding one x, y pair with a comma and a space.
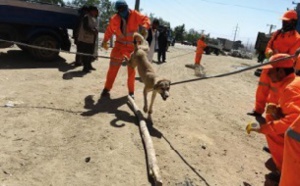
105, 93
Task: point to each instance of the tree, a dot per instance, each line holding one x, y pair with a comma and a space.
57, 2
179, 32
80, 3
106, 10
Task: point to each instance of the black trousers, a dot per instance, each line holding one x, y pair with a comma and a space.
87, 48
161, 55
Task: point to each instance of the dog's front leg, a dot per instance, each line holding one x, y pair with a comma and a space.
145, 100
152, 101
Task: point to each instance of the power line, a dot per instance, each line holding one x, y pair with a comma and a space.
242, 6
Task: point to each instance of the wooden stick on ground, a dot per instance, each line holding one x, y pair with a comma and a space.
150, 151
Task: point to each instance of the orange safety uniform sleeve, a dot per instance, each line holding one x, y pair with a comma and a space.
262, 91
287, 42
291, 156
290, 105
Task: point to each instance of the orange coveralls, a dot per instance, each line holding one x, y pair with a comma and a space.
287, 42
200, 47
291, 156
123, 45
289, 102
267, 92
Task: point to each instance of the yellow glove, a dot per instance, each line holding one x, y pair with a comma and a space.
269, 54
252, 126
104, 45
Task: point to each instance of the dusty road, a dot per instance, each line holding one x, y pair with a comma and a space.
59, 133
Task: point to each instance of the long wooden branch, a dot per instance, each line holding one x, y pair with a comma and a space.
150, 151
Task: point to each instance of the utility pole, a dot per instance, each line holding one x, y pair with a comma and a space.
271, 27
235, 32
137, 5
202, 32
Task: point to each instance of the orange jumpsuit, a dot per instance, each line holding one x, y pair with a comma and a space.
267, 92
200, 47
291, 156
289, 102
287, 42
123, 45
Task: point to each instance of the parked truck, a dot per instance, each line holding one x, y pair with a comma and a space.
38, 24
261, 44
213, 46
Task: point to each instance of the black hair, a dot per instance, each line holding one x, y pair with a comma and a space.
155, 21
91, 8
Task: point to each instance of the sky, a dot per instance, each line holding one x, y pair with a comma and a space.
220, 18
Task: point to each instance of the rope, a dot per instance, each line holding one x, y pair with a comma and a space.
233, 72
56, 50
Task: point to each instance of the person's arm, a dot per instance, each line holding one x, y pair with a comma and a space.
86, 26
113, 28
142, 20
291, 107
269, 48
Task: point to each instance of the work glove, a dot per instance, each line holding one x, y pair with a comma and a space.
252, 126
254, 113
269, 54
104, 45
274, 111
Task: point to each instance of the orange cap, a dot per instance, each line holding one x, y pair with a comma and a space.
290, 15
284, 63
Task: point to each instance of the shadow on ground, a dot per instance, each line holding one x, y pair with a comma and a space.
18, 59
108, 105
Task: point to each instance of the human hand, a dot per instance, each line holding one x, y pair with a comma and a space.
104, 45
274, 111
252, 126
269, 54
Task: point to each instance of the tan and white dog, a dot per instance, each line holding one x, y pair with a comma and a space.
148, 76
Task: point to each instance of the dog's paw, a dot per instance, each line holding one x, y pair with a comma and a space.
145, 109
150, 111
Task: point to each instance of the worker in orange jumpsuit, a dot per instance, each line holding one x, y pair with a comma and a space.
123, 25
291, 154
285, 40
288, 108
199, 51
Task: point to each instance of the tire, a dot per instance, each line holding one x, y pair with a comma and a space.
46, 41
7, 33
24, 48
217, 52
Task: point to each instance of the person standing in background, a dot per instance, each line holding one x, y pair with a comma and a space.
162, 45
152, 39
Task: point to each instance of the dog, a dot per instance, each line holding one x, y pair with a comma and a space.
148, 76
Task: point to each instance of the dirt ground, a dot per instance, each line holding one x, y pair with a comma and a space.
59, 133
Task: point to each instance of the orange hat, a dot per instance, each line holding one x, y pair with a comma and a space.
284, 63
290, 15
